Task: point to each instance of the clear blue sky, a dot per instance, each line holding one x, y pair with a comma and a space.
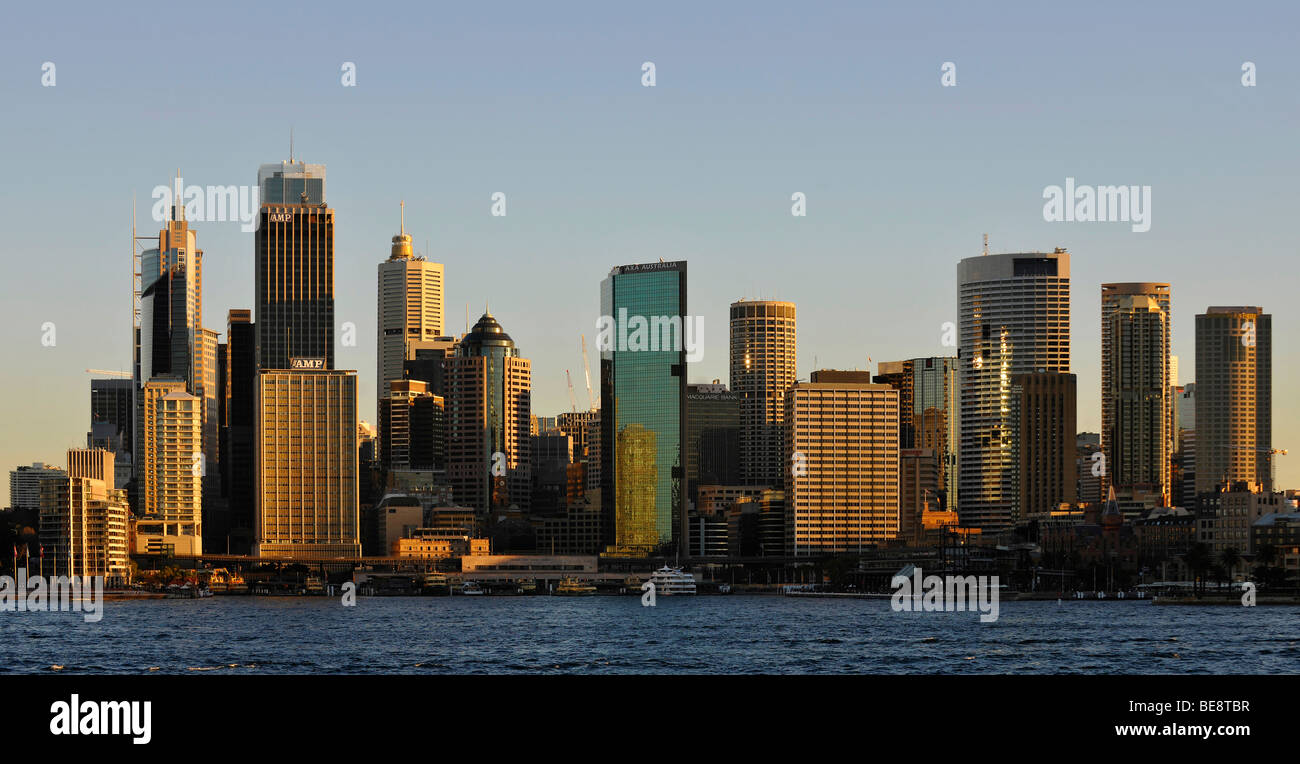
753, 102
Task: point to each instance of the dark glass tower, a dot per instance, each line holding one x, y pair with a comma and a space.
238, 420
294, 269
643, 419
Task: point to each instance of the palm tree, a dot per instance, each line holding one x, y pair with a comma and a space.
1265, 556
1197, 560
1229, 558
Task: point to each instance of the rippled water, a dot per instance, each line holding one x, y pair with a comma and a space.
613, 635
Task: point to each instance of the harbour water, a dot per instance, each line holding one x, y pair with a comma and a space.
738, 634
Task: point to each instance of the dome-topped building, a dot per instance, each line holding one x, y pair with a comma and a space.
488, 393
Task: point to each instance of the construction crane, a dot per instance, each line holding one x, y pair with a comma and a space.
573, 401
1268, 456
586, 367
122, 374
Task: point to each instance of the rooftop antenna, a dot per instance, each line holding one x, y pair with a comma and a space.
290, 145
986, 244
403, 217
178, 203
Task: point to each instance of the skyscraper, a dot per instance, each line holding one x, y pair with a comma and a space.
305, 441
238, 425
306, 457
643, 410
713, 436
1148, 310
171, 471
294, 269
762, 369
487, 408
1043, 406
110, 403
1234, 397
171, 342
410, 306
1013, 318
927, 413
1136, 393
841, 485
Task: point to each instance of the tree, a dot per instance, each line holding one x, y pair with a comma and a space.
1229, 558
1197, 560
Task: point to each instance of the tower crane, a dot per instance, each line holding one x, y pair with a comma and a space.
121, 374
586, 367
1269, 453
573, 401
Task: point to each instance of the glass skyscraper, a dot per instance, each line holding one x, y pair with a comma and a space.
643, 404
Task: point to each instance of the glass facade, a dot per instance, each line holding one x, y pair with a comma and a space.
643, 400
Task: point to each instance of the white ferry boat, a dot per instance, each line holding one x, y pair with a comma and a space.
669, 581
471, 588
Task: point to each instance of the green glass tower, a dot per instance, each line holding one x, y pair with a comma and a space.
643, 409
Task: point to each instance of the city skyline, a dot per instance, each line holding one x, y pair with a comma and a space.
596, 187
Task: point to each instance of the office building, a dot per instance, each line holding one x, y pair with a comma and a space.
1045, 444
1234, 397
712, 436
238, 405
1013, 318
306, 463
927, 413
294, 269
643, 410
488, 404
410, 305
762, 370
110, 403
841, 491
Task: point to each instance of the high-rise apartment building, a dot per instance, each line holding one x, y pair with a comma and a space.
1013, 318
762, 370
1136, 378
170, 471
84, 521
643, 410
306, 464
25, 484
842, 468
1234, 397
487, 410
